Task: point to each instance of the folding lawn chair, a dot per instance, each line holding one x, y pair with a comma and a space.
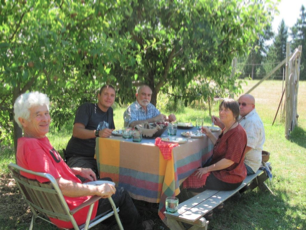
46, 200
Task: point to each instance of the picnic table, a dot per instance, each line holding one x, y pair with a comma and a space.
142, 170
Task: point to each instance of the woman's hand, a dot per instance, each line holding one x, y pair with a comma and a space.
206, 130
201, 171
217, 122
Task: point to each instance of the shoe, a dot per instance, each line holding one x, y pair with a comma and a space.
220, 206
209, 215
148, 224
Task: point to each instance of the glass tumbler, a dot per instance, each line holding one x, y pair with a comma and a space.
172, 204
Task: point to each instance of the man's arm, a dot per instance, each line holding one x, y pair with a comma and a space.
72, 189
160, 117
79, 131
86, 173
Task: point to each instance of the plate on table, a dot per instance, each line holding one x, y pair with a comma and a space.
117, 132
193, 135
184, 125
214, 128
99, 182
179, 140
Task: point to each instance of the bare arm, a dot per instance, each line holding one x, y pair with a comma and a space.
79, 131
217, 122
210, 135
221, 164
160, 117
72, 189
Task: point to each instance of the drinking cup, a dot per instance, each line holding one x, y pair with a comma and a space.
137, 136
126, 133
199, 123
172, 204
172, 129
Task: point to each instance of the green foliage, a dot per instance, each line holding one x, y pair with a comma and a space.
277, 52
298, 33
253, 66
173, 42
68, 49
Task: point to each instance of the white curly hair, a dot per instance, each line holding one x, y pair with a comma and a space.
27, 100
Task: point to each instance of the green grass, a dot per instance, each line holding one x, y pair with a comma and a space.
255, 209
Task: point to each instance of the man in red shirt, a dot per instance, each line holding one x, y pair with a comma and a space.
34, 152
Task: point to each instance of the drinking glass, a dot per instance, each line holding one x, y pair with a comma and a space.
172, 204
199, 123
137, 136
172, 129
126, 133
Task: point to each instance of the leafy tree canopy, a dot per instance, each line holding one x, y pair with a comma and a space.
67, 48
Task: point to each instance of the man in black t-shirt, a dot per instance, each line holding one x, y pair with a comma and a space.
80, 150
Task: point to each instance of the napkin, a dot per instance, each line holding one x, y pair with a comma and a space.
165, 148
194, 181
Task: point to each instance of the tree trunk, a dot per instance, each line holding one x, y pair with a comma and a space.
17, 129
154, 98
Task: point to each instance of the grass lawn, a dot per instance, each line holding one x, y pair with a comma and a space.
286, 209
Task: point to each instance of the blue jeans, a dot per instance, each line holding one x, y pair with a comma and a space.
249, 170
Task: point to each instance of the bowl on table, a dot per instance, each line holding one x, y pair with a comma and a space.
152, 130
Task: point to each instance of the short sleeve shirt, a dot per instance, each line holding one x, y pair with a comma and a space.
136, 113
38, 155
256, 138
231, 146
90, 115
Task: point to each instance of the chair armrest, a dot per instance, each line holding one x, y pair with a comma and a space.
86, 203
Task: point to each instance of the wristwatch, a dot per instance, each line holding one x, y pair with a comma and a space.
97, 133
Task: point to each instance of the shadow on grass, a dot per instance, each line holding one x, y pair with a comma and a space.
259, 210
298, 136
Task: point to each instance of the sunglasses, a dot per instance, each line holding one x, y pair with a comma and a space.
243, 104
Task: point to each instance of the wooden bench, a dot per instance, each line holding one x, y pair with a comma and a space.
192, 211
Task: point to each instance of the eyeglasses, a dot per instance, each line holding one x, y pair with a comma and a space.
243, 104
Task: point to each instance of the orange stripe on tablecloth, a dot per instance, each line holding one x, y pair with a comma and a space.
113, 176
110, 150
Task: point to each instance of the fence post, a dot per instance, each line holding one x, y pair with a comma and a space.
288, 105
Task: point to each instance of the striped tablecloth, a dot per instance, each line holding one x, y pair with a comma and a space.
141, 169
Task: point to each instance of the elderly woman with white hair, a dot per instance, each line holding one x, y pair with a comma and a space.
34, 152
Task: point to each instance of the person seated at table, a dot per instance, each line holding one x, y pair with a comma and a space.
251, 122
34, 152
142, 111
225, 169
80, 150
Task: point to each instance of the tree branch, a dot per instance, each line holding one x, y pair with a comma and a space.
28, 85
137, 39
17, 27
167, 67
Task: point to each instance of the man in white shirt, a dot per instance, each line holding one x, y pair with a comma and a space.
251, 122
